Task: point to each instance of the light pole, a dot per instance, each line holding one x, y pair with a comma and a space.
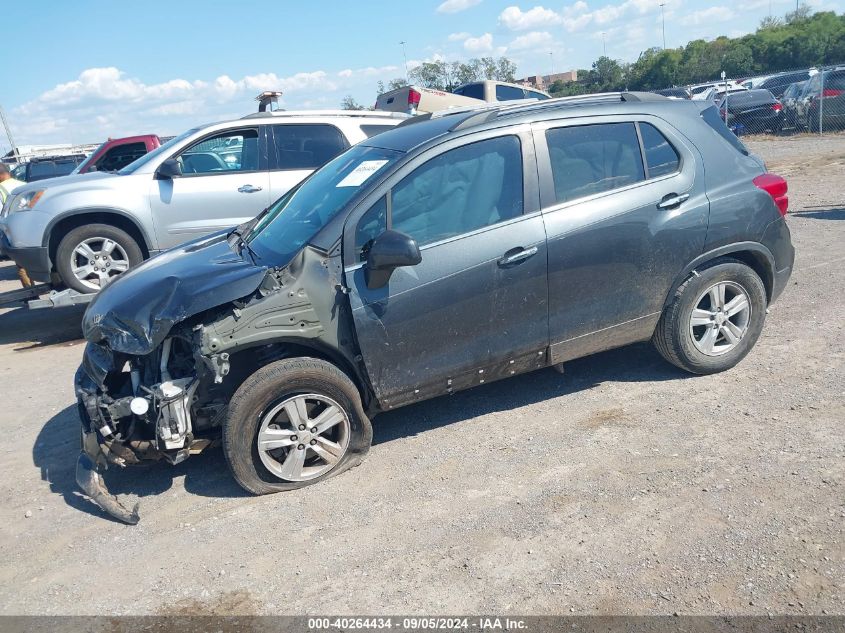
604, 43
405, 57
663, 21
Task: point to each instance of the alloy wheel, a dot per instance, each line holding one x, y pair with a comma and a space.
97, 260
303, 437
720, 318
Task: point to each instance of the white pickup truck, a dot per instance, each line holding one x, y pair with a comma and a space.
418, 100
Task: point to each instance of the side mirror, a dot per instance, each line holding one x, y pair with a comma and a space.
170, 168
389, 251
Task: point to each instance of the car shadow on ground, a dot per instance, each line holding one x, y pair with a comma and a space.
57, 447
207, 475
822, 214
31, 329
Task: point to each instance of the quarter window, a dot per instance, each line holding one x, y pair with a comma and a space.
509, 93
459, 191
660, 156
307, 146
229, 151
475, 91
591, 159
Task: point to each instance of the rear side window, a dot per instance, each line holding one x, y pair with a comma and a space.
660, 156
531, 94
475, 91
372, 130
591, 159
459, 191
45, 169
711, 117
307, 146
509, 93
835, 80
119, 157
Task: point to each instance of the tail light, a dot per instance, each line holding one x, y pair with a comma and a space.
414, 99
831, 92
776, 187
777, 107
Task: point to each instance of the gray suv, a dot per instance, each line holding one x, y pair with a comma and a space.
452, 251
84, 230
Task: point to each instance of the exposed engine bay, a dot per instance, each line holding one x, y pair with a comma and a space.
170, 402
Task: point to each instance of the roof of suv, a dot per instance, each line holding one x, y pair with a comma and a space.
286, 114
421, 129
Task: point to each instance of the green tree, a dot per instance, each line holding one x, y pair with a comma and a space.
349, 103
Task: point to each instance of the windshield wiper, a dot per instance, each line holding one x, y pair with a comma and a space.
237, 242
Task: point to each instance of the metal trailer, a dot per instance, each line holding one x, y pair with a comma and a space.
35, 299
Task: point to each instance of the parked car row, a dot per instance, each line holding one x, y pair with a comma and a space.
818, 103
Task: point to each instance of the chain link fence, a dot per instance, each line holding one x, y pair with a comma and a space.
785, 102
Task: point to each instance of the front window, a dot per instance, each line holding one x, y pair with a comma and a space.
131, 168
298, 216
233, 150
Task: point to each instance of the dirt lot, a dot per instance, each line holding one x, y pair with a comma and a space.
623, 486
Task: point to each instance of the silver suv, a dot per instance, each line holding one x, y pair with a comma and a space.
87, 229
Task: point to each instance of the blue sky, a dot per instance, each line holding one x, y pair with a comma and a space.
89, 69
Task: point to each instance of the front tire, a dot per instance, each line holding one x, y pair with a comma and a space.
714, 319
293, 423
92, 255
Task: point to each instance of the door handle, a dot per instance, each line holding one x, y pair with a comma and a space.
514, 256
248, 189
672, 200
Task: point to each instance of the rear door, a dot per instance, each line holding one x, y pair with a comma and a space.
476, 307
297, 149
225, 181
625, 210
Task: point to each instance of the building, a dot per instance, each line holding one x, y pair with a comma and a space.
542, 82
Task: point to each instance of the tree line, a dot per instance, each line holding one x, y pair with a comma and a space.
800, 39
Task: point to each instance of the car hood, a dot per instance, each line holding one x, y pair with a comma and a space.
135, 313
80, 181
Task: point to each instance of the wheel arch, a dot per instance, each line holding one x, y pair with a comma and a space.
247, 361
61, 225
753, 254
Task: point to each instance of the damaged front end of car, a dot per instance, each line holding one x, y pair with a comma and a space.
155, 379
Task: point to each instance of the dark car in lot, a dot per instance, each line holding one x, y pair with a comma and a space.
790, 101
777, 84
46, 167
752, 112
449, 252
823, 101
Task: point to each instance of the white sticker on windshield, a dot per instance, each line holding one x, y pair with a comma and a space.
359, 175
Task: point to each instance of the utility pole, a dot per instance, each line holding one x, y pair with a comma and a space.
15, 152
663, 21
551, 63
604, 43
405, 57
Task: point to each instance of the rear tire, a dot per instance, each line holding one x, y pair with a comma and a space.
701, 336
92, 255
262, 412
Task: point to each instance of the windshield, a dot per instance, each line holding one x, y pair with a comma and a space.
85, 162
298, 216
161, 149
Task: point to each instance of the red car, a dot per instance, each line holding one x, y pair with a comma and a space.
117, 153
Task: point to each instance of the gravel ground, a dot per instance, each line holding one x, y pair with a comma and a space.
623, 486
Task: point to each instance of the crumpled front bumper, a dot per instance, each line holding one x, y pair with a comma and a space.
95, 455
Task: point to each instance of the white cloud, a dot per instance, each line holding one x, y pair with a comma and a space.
709, 15
103, 102
516, 19
459, 37
454, 6
534, 39
482, 44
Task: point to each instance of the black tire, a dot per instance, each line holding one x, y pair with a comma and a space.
74, 238
272, 384
673, 337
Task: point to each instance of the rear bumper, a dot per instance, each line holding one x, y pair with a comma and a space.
778, 240
35, 259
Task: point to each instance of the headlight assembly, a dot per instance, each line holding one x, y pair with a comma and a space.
26, 201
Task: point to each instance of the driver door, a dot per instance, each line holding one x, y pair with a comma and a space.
476, 307
225, 181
